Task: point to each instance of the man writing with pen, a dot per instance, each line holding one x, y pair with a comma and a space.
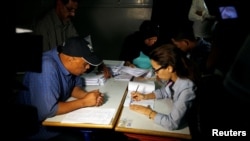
59, 80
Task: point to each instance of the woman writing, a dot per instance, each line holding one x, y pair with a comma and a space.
170, 65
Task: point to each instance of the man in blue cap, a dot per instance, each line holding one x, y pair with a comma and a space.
60, 79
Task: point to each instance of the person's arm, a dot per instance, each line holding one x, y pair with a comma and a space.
175, 119
78, 92
105, 70
139, 96
147, 111
89, 99
195, 14
129, 64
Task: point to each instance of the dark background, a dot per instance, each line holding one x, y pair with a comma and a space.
108, 22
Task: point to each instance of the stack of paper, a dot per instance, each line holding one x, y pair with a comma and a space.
137, 72
124, 73
115, 66
122, 76
94, 78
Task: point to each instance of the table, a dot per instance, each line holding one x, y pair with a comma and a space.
136, 123
115, 95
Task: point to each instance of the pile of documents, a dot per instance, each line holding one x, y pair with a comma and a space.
124, 73
114, 65
93, 78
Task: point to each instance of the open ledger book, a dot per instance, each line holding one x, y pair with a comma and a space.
93, 115
144, 87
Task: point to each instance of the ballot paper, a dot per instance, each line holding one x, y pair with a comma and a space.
94, 115
144, 87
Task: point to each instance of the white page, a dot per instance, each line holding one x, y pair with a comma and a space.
93, 115
134, 71
143, 87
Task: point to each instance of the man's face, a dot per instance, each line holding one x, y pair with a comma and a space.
68, 11
181, 44
79, 65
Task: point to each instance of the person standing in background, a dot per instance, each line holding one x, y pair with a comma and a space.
203, 22
56, 27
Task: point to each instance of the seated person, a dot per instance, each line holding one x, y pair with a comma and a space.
197, 50
137, 46
171, 66
59, 80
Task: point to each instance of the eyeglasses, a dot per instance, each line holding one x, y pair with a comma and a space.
156, 70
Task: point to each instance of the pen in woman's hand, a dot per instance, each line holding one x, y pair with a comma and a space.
137, 88
134, 94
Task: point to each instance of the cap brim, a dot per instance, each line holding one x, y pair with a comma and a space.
93, 60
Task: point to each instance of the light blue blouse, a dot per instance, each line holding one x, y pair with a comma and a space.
182, 93
143, 61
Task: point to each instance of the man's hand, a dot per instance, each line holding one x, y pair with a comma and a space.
106, 71
93, 98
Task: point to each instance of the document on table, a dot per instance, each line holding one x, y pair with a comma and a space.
93, 78
134, 71
94, 115
143, 87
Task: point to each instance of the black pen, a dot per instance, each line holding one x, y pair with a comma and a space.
135, 92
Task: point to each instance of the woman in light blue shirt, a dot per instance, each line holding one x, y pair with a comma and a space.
171, 66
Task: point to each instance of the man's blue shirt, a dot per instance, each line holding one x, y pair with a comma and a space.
45, 89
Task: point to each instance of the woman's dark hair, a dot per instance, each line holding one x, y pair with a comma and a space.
170, 55
67, 1
149, 29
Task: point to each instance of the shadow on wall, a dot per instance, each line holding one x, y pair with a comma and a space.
109, 23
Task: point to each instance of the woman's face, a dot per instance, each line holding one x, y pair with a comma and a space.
162, 73
150, 41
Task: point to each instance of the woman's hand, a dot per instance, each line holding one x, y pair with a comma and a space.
136, 96
140, 109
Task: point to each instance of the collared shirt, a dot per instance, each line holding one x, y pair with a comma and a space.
182, 93
46, 88
53, 30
